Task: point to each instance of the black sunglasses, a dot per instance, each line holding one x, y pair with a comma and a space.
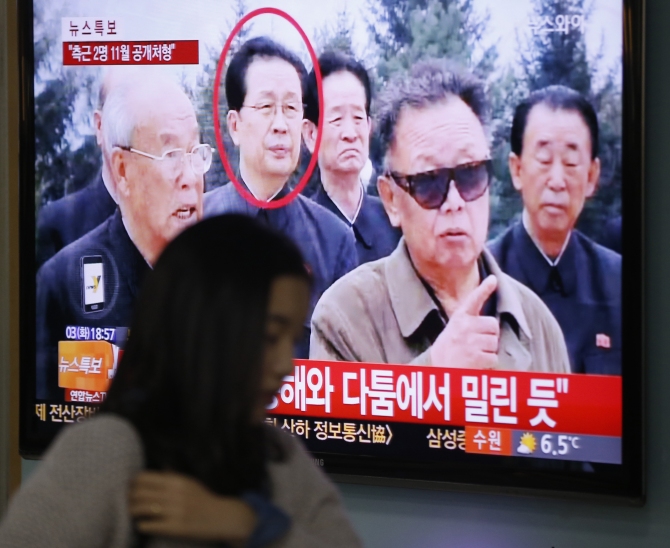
430, 188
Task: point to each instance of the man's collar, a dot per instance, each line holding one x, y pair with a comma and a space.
342, 214
526, 225
275, 195
130, 262
364, 227
130, 237
539, 271
412, 303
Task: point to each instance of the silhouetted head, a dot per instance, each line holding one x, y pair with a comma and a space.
211, 340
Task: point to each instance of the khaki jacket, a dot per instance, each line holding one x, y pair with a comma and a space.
381, 312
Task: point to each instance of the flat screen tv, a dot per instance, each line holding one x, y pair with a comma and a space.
463, 177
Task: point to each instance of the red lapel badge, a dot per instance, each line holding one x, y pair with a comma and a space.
603, 341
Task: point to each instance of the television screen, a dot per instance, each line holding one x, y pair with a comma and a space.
462, 177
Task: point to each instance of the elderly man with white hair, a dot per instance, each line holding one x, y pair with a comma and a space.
158, 166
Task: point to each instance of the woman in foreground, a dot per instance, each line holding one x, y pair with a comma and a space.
179, 454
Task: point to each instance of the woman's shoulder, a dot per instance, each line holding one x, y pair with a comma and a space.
109, 441
287, 447
77, 496
297, 472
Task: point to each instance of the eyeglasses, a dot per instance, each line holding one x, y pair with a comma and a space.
200, 158
291, 111
430, 188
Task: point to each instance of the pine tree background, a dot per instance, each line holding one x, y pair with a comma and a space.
399, 33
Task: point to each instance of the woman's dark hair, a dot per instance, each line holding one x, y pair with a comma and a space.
190, 374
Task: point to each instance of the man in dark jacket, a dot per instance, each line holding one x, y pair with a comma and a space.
554, 165
265, 120
344, 149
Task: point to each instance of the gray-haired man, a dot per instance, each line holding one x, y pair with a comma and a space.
440, 298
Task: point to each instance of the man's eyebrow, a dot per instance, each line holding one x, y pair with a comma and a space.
278, 318
169, 137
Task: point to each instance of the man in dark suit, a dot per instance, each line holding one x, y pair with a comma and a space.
265, 120
345, 145
68, 219
612, 234
554, 165
158, 165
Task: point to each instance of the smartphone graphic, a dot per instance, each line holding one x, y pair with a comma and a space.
93, 283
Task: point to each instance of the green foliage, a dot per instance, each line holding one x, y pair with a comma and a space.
60, 167
561, 58
337, 36
217, 175
552, 58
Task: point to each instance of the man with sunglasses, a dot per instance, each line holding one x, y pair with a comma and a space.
264, 90
344, 150
158, 165
440, 298
555, 166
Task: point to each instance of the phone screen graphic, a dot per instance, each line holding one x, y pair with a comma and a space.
93, 283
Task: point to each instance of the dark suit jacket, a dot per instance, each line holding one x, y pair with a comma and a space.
583, 292
375, 236
326, 243
612, 234
62, 222
60, 294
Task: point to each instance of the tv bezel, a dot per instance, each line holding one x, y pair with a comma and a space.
625, 484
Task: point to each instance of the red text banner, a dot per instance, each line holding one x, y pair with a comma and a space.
582, 404
160, 52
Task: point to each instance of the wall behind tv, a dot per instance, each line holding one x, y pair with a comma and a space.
391, 518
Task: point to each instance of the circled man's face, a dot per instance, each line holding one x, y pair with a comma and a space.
268, 127
160, 197
445, 134
555, 172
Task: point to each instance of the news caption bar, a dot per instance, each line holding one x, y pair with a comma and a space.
512, 413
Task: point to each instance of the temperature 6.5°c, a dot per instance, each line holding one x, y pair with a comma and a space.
559, 445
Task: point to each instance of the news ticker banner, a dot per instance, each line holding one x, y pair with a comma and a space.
540, 415
93, 41
87, 361
445, 443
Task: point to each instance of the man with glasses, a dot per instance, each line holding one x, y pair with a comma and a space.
554, 165
264, 90
344, 150
158, 165
440, 298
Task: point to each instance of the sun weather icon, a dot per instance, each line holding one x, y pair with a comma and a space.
527, 444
